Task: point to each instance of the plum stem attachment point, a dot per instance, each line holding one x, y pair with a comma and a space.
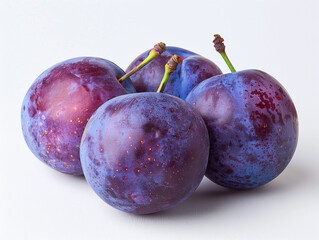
220, 47
170, 67
157, 50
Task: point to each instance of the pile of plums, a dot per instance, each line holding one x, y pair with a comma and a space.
145, 139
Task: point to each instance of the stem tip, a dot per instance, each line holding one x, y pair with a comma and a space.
170, 67
219, 43
160, 48
174, 61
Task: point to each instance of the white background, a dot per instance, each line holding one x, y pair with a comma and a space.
279, 37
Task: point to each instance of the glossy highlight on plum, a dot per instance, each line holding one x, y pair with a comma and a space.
59, 104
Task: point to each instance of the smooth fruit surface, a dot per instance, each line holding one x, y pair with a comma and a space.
58, 105
193, 70
252, 124
145, 152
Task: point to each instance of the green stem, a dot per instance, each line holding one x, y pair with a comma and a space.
170, 67
229, 64
165, 79
220, 47
154, 53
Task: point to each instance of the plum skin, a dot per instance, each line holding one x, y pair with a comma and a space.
193, 70
59, 103
252, 124
145, 152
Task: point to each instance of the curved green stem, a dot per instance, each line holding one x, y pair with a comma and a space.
154, 53
165, 79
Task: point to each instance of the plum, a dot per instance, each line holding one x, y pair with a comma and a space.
59, 103
145, 152
194, 69
252, 124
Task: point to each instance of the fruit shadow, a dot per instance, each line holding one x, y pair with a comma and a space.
77, 178
67, 177
210, 198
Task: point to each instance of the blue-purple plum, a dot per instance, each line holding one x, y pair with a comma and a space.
193, 70
145, 152
59, 103
252, 124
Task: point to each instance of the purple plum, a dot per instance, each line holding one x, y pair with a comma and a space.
145, 152
194, 70
252, 124
59, 103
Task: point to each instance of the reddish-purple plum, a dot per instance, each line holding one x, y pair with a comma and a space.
59, 103
252, 124
144, 152
194, 70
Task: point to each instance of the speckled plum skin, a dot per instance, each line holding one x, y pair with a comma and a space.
145, 152
193, 70
252, 124
59, 103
